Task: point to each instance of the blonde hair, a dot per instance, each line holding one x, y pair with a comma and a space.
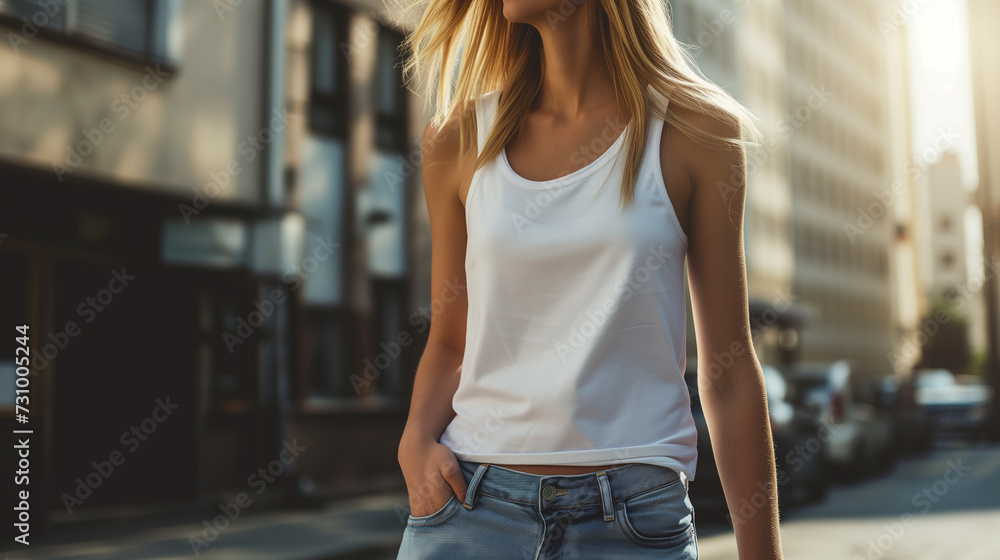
467, 48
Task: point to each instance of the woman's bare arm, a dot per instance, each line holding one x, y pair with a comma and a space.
732, 391
427, 466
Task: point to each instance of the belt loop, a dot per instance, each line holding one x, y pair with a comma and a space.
470, 494
606, 498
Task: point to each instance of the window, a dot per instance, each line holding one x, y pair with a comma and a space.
15, 294
391, 102
944, 224
386, 237
52, 18
947, 260
132, 26
328, 72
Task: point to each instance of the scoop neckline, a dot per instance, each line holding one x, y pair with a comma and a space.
565, 180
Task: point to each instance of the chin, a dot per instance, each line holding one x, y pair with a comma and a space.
531, 11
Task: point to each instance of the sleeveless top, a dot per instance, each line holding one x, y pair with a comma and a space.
575, 344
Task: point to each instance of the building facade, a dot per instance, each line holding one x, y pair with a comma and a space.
944, 202
843, 232
210, 209
909, 302
815, 233
740, 46
985, 52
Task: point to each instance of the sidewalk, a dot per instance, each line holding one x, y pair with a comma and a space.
368, 527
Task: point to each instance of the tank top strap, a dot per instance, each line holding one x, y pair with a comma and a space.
656, 124
486, 110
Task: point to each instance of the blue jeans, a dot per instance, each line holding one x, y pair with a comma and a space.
632, 511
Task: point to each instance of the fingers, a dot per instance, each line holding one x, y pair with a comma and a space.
452, 473
430, 498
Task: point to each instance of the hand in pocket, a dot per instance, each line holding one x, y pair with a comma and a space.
433, 476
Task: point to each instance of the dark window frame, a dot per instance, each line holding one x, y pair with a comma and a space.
332, 104
154, 49
391, 128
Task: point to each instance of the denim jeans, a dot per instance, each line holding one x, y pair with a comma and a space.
632, 511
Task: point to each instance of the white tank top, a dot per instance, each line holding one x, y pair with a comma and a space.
575, 346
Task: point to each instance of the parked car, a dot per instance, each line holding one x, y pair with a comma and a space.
913, 425
962, 408
843, 399
798, 449
801, 472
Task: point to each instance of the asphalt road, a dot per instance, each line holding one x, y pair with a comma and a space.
942, 506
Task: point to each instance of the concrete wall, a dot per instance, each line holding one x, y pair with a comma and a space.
167, 133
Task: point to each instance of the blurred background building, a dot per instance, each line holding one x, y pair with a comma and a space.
943, 204
720, 32
908, 301
211, 203
985, 54
817, 76
839, 161
219, 203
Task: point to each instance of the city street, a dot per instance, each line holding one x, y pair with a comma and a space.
952, 497
264, 263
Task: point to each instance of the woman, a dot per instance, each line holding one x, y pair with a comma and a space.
549, 416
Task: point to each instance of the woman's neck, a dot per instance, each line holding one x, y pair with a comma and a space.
575, 76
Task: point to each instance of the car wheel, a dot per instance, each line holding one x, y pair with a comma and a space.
984, 435
818, 490
861, 462
888, 464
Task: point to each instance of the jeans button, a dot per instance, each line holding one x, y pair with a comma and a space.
549, 492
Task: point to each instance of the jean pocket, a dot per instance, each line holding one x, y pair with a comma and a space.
661, 517
437, 517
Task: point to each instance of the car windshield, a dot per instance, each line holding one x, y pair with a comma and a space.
935, 379
774, 384
809, 377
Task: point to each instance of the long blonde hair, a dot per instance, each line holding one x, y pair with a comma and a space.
467, 48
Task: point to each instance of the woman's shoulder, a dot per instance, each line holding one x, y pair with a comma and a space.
441, 138
446, 161
697, 152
